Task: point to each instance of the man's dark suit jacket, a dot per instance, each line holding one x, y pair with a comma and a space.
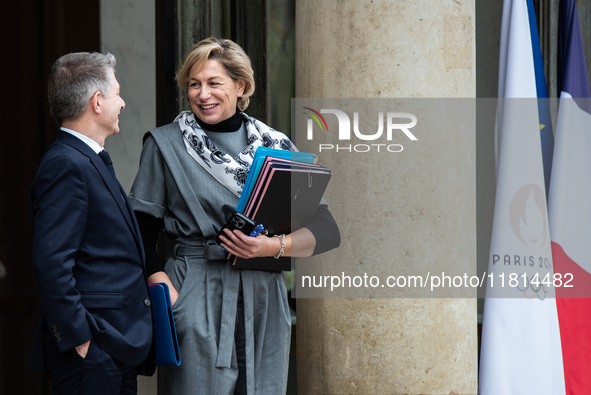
88, 258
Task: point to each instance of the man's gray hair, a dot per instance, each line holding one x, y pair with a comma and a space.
73, 80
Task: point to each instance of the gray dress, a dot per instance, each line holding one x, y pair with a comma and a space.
171, 186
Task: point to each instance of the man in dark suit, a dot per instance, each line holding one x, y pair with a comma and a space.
95, 331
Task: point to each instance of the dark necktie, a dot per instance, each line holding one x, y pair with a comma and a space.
108, 162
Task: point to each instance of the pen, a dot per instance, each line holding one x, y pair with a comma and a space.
257, 231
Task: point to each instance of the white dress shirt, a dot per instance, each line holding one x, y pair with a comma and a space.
96, 147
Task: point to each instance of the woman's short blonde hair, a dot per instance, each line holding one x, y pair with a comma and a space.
235, 61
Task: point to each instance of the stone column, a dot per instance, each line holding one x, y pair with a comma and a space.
369, 345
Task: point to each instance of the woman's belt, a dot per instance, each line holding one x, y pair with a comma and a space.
200, 248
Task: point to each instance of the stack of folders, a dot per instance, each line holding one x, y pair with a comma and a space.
167, 346
282, 192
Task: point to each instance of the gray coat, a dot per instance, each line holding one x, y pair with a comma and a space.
171, 186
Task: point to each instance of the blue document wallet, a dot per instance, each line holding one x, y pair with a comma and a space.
167, 346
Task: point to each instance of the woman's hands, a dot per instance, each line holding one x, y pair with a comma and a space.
300, 243
243, 246
162, 277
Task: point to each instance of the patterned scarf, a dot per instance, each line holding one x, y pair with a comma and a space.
230, 172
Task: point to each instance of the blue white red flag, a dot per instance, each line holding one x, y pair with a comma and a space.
569, 204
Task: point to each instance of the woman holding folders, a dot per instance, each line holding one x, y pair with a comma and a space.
234, 326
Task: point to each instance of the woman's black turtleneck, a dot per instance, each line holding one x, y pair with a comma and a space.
231, 124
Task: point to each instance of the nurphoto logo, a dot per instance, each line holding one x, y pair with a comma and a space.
390, 125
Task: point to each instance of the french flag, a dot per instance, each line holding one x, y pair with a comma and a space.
569, 204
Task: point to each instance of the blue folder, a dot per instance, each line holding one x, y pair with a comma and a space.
167, 346
257, 163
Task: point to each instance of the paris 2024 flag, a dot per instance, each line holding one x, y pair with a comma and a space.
520, 349
570, 204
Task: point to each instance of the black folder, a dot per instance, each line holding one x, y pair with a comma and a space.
167, 346
285, 198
